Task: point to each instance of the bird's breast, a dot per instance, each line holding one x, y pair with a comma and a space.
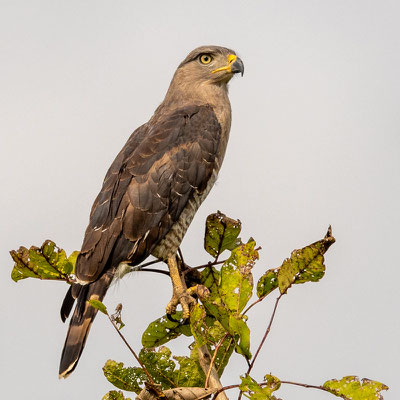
169, 245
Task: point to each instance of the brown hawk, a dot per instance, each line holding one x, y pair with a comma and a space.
153, 189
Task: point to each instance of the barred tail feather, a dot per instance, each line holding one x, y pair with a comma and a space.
81, 322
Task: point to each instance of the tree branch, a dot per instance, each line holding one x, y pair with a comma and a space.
265, 334
213, 358
306, 386
263, 339
253, 304
209, 264
206, 365
130, 348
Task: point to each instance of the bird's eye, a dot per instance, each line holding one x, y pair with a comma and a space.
205, 58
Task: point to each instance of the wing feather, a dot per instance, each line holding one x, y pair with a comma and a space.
148, 186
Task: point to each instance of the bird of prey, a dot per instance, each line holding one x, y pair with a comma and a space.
153, 189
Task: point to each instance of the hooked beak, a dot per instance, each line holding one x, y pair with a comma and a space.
235, 65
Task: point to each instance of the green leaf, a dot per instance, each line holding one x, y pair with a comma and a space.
46, 262
164, 329
129, 378
210, 278
305, 265
240, 328
207, 330
256, 391
221, 234
189, 373
21, 268
72, 261
236, 284
230, 291
198, 326
224, 353
350, 388
267, 283
114, 395
98, 305
160, 366
164, 371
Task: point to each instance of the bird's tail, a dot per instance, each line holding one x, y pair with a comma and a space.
81, 320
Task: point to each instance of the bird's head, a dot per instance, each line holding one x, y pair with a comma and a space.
210, 65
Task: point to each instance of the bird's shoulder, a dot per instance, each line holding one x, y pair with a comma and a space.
153, 177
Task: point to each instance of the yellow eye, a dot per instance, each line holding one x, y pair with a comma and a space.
206, 58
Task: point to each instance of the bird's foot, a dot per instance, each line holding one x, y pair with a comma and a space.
186, 300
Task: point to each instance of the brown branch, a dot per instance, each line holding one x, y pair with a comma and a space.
131, 350
141, 266
263, 339
253, 304
209, 264
223, 389
159, 271
181, 255
306, 386
213, 358
205, 363
266, 333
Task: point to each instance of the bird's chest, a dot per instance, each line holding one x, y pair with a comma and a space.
168, 246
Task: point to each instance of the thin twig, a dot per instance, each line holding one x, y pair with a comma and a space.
160, 271
213, 358
306, 385
205, 362
131, 350
141, 266
181, 255
209, 264
223, 389
253, 304
265, 334
263, 339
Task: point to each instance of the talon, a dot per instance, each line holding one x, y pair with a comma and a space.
171, 307
200, 291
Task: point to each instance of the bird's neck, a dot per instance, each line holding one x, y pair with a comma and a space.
181, 94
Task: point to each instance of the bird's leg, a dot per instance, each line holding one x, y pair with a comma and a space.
180, 292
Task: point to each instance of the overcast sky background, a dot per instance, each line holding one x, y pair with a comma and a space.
315, 140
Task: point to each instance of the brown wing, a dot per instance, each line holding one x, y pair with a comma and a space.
147, 187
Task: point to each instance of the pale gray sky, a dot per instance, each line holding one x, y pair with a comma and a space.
314, 141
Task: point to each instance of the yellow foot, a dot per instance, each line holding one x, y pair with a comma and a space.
182, 295
186, 300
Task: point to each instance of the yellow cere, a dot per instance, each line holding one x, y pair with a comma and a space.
231, 59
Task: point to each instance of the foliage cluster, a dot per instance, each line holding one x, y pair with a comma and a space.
218, 324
